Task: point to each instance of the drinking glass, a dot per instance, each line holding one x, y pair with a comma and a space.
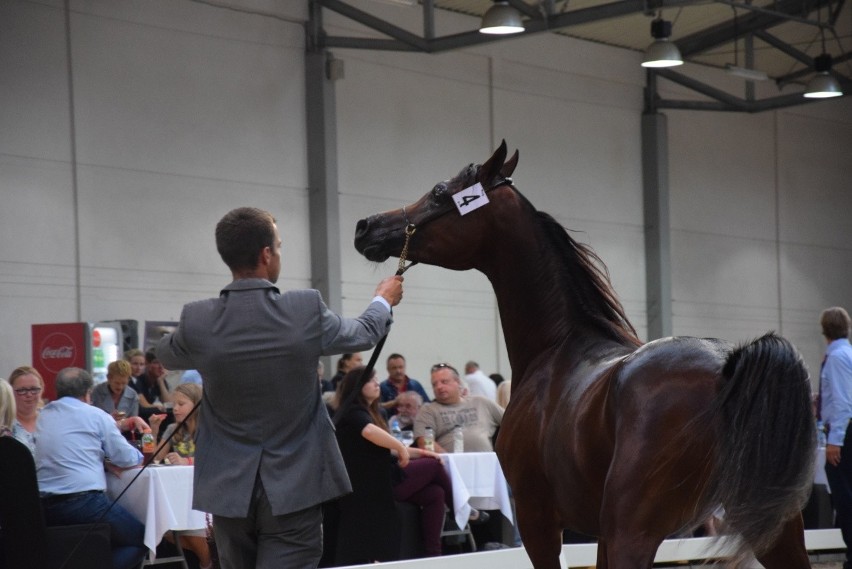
407, 438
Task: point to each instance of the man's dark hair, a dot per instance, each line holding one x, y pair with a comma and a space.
396, 356
73, 382
835, 323
242, 234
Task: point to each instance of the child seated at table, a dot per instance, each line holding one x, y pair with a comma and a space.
179, 448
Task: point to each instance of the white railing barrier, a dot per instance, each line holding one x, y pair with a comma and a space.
585, 554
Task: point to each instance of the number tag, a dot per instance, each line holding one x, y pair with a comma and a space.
470, 199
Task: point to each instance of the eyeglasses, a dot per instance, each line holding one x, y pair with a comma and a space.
436, 367
28, 390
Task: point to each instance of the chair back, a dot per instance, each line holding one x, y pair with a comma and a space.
21, 516
26, 541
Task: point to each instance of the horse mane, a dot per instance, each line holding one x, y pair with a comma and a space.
591, 287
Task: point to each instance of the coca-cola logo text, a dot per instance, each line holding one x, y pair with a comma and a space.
58, 350
57, 353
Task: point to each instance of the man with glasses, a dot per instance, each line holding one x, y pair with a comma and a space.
477, 416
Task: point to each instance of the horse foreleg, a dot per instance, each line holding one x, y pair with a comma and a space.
540, 532
788, 551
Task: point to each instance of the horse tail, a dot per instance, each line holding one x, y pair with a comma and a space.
766, 440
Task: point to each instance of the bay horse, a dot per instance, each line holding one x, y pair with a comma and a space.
628, 441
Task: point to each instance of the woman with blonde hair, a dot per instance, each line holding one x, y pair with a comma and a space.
7, 408
28, 387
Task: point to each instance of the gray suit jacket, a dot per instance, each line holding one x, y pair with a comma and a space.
257, 350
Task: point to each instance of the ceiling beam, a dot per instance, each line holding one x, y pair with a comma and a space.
406, 40
735, 28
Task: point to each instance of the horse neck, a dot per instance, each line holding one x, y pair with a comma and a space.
537, 312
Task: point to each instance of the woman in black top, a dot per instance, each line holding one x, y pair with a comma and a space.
363, 526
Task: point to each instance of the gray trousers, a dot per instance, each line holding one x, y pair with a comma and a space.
264, 541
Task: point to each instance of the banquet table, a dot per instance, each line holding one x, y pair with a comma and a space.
161, 498
478, 482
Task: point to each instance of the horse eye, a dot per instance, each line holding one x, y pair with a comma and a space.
439, 190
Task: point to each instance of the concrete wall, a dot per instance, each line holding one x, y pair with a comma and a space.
182, 110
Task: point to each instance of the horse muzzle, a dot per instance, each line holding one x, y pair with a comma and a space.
370, 241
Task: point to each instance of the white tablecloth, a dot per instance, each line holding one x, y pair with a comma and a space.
161, 498
478, 482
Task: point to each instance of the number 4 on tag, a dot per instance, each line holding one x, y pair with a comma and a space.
470, 199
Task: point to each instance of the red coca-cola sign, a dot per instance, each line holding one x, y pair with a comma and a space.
57, 346
57, 351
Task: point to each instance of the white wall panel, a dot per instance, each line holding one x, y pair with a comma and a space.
155, 99
184, 110
34, 87
722, 173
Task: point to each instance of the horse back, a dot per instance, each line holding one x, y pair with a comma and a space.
571, 426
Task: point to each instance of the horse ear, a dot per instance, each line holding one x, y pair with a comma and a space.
492, 166
509, 166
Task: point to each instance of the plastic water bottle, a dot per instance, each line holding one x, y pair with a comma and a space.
458, 439
148, 445
821, 440
395, 430
429, 439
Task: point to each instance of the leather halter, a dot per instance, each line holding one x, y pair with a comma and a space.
411, 228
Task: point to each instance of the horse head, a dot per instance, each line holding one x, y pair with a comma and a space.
450, 224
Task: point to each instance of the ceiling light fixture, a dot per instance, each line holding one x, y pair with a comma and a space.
662, 52
823, 85
501, 18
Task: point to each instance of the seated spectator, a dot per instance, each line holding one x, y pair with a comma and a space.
180, 449
478, 417
344, 364
7, 409
478, 383
325, 384
136, 358
504, 393
398, 382
151, 387
380, 472
28, 386
191, 376
115, 395
74, 439
407, 406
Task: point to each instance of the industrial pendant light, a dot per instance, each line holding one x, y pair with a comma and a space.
662, 52
501, 18
823, 85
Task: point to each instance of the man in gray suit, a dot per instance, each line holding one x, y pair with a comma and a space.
266, 454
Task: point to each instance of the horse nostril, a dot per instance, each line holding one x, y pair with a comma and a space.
361, 227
